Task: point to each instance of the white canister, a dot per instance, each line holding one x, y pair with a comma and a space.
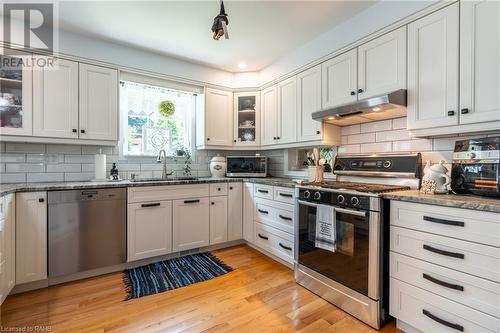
100, 167
218, 166
315, 174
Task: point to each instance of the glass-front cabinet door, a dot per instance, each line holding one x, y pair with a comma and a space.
247, 116
15, 93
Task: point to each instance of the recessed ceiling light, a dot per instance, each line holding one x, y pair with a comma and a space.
376, 109
242, 65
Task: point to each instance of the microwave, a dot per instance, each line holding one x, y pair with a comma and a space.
246, 166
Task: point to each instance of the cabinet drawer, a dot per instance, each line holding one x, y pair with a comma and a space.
274, 241
275, 214
432, 313
218, 189
284, 194
477, 293
479, 260
166, 192
263, 191
471, 225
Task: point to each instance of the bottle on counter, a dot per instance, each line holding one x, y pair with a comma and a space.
114, 172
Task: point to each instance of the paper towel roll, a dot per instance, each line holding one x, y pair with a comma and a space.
100, 166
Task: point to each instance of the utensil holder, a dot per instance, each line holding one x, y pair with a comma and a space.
315, 174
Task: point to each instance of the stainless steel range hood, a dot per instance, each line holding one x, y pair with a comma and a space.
388, 106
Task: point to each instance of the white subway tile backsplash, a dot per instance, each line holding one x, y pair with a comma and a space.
64, 167
6, 178
75, 177
151, 166
9, 158
394, 135
352, 129
343, 139
16, 147
412, 145
79, 158
436, 156
89, 168
97, 150
2, 147
64, 149
361, 138
380, 147
44, 177
376, 126
24, 167
349, 149
399, 123
2, 167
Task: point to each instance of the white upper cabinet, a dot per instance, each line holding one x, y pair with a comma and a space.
16, 89
218, 117
382, 64
287, 110
340, 79
479, 61
247, 119
98, 103
433, 54
308, 101
269, 115
55, 101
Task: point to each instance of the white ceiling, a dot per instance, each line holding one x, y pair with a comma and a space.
260, 31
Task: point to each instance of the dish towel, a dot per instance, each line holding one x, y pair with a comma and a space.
325, 228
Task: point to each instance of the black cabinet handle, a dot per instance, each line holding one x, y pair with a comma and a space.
353, 93
442, 283
286, 195
156, 204
41, 200
82, 131
74, 130
277, 138
464, 111
442, 321
263, 191
192, 201
208, 139
318, 132
230, 187
285, 247
443, 221
262, 211
444, 253
263, 237
235, 140
274, 138
451, 113
360, 91
219, 189
285, 218
213, 203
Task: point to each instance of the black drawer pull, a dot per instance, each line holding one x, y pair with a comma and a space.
286, 195
285, 247
263, 191
442, 283
451, 113
464, 111
444, 253
442, 321
192, 201
156, 204
443, 221
263, 237
285, 218
262, 211
41, 200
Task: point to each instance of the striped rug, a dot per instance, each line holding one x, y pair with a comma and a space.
172, 273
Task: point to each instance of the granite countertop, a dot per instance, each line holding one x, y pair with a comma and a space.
32, 187
450, 200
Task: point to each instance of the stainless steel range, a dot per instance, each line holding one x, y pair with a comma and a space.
351, 271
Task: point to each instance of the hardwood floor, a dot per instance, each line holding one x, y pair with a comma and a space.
260, 295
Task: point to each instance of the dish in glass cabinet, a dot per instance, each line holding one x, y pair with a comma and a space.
247, 136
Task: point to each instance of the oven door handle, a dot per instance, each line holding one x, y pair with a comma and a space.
350, 212
305, 203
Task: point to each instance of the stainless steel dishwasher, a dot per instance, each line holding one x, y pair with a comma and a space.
87, 229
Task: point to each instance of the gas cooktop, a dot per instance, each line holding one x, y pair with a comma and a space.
359, 187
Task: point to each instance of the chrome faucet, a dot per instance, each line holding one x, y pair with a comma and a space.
165, 173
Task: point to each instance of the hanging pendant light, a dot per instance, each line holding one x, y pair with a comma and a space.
221, 22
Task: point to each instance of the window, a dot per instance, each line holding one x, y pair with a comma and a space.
148, 122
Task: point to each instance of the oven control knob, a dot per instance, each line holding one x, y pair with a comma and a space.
387, 164
317, 195
340, 198
354, 201
307, 194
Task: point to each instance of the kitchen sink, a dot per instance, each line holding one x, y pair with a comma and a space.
174, 179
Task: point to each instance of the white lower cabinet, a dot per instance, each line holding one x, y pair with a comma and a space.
235, 211
149, 229
218, 220
248, 210
274, 241
7, 245
31, 237
191, 223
